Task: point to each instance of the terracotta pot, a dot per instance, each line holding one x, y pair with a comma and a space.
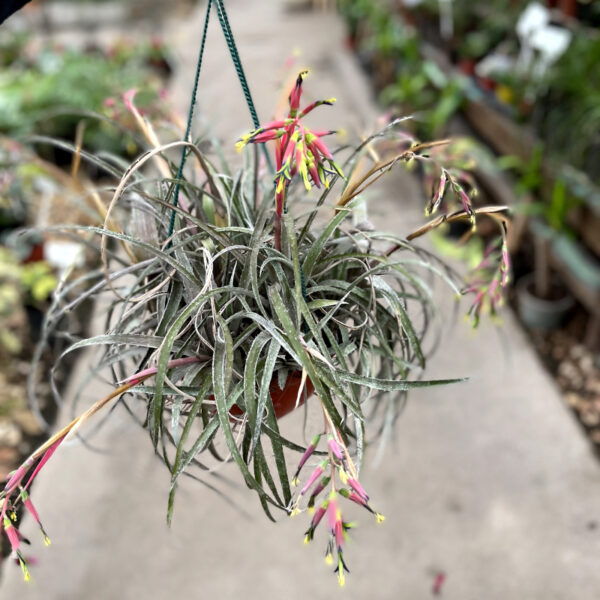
284, 400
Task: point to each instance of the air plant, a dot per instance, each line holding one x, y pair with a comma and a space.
264, 297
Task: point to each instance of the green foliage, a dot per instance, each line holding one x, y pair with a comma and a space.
529, 173
424, 89
570, 115
53, 92
553, 207
38, 280
19, 285
419, 86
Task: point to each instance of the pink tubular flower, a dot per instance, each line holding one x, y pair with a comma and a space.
334, 517
307, 454
335, 448
318, 489
296, 93
14, 539
315, 475
297, 150
466, 203
357, 499
489, 279
317, 517
439, 195
11, 534
33, 512
355, 485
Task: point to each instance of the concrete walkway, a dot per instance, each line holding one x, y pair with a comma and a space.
490, 482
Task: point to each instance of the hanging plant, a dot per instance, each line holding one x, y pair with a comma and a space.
248, 296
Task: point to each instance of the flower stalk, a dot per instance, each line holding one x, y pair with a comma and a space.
15, 490
298, 150
339, 462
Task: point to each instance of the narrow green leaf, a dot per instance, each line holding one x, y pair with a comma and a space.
319, 244
391, 385
221, 373
293, 337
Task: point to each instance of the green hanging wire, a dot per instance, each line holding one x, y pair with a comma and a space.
235, 57
188, 127
237, 63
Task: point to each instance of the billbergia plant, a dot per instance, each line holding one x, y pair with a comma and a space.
259, 293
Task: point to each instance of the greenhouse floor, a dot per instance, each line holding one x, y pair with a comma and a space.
490, 489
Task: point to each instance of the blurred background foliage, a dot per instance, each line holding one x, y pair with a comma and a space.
519, 83
48, 89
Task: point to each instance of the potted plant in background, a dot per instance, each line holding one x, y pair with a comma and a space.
544, 301
238, 297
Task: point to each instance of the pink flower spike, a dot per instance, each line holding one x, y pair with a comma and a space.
296, 93
315, 475
335, 448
